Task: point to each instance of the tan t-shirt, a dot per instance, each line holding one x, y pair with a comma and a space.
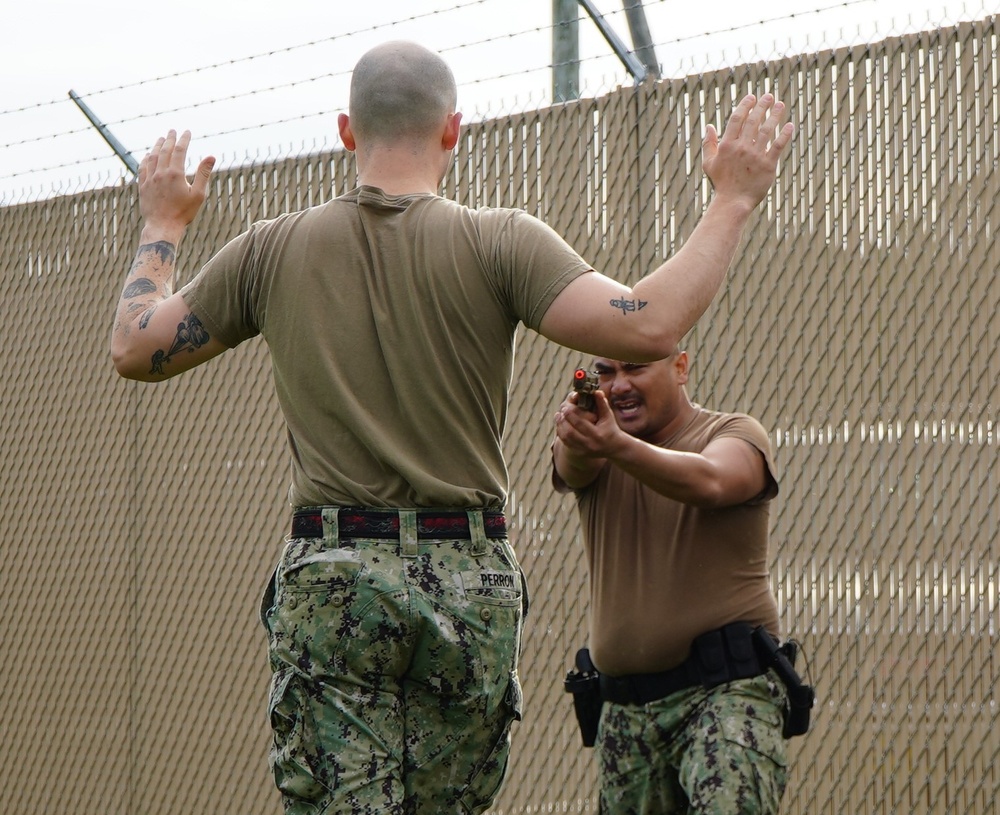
390, 323
663, 572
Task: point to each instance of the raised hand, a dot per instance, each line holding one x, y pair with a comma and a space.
744, 161
167, 201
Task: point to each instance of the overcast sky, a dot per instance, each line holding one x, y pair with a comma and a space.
260, 79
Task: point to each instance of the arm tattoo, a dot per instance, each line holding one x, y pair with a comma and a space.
153, 262
156, 262
142, 285
191, 334
161, 251
144, 320
629, 305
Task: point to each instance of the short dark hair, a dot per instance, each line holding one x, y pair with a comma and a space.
400, 90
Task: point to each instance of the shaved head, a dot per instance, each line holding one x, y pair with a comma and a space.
400, 90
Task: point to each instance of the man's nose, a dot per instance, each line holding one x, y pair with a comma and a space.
620, 383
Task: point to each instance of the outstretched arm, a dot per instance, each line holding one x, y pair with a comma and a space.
729, 471
155, 335
597, 315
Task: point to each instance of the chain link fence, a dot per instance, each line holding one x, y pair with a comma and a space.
859, 325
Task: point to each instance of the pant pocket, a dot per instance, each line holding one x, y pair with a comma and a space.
267, 599
488, 777
292, 744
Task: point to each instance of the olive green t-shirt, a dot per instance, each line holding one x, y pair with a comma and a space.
663, 572
390, 323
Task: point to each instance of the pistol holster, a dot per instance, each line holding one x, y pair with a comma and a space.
584, 682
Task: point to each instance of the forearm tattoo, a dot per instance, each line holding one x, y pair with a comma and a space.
153, 262
139, 287
144, 319
191, 334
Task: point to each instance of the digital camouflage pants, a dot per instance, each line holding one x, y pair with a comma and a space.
394, 665
695, 752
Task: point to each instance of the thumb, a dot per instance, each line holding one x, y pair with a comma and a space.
602, 408
202, 175
710, 144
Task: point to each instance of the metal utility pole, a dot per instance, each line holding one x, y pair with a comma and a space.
635, 14
565, 50
629, 60
127, 158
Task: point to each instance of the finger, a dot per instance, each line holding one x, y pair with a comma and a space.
776, 116
775, 119
167, 144
202, 175
782, 139
757, 118
710, 144
565, 434
739, 116
602, 407
179, 157
153, 156
578, 419
167, 147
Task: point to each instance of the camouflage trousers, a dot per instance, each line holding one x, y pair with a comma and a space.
695, 752
394, 672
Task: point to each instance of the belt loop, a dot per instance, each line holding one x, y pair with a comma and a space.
331, 524
477, 532
408, 533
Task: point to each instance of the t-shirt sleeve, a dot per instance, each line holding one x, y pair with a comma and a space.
536, 264
223, 295
742, 426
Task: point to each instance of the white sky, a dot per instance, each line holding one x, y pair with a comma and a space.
265, 78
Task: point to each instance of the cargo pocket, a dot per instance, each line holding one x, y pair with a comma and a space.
267, 599
289, 756
489, 774
755, 715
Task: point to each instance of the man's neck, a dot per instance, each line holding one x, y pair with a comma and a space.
399, 172
679, 420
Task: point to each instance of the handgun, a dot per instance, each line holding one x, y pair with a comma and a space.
584, 383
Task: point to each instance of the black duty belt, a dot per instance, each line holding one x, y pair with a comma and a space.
383, 524
717, 656
735, 651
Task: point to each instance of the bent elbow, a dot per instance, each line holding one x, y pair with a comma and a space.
125, 369
655, 343
128, 365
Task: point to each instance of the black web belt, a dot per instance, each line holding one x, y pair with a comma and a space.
718, 656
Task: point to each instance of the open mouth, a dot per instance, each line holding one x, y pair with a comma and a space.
627, 408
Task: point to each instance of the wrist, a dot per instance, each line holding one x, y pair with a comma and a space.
620, 448
732, 204
155, 233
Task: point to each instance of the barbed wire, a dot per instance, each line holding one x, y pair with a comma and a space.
495, 77
262, 55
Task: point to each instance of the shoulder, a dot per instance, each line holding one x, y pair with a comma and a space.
719, 423
510, 218
280, 224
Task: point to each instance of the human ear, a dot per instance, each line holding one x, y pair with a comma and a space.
452, 130
681, 366
346, 134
